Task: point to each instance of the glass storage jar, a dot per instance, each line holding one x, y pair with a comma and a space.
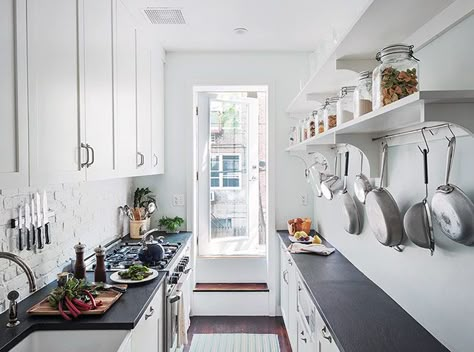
300, 131
345, 104
293, 136
312, 124
305, 128
321, 119
363, 94
330, 113
396, 76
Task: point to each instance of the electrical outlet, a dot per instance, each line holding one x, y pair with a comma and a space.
178, 200
304, 200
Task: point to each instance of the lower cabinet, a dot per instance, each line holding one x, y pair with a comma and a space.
148, 335
306, 329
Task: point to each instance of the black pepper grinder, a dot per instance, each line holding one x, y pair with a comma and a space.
99, 272
80, 266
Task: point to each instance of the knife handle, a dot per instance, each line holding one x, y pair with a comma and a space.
46, 233
28, 240
40, 240
20, 239
33, 238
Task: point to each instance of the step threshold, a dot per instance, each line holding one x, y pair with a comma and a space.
231, 287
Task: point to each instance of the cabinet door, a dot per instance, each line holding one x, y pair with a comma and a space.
292, 302
125, 104
158, 113
98, 87
145, 334
324, 338
13, 95
144, 126
305, 342
55, 123
284, 288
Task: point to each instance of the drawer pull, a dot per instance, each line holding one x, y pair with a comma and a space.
324, 332
152, 311
284, 276
290, 262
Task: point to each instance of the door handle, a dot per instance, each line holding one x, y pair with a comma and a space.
152, 311
284, 276
155, 157
142, 159
92, 155
85, 146
324, 332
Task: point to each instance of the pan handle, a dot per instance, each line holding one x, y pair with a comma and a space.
450, 156
382, 166
425, 169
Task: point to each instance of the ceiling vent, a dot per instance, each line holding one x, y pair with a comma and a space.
164, 15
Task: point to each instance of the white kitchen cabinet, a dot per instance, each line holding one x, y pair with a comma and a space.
56, 127
157, 112
144, 123
305, 340
97, 73
291, 306
325, 341
284, 285
126, 92
13, 95
148, 334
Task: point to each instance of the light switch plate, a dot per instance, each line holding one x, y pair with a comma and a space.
178, 200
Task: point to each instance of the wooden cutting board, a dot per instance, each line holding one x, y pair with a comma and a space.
108, 298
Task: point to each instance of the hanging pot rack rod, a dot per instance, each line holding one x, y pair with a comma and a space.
418, 130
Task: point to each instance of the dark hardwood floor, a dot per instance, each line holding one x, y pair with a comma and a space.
239, 325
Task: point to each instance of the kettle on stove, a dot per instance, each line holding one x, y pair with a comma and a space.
152, 251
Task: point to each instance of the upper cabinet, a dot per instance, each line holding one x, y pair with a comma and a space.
56, 125
13, 95
97, 73
125, 92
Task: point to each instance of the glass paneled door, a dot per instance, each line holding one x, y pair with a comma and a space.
230, 169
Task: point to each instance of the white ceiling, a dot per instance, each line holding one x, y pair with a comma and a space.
288, 25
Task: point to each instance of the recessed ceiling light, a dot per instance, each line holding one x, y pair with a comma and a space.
240, 30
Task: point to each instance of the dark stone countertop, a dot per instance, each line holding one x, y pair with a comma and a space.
123, 315
360, 315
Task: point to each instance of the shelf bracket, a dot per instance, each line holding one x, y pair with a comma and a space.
364, 143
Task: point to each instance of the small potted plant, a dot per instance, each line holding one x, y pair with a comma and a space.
171, 224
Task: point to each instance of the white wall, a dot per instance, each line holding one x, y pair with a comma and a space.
437, 291
281, 72
86, 212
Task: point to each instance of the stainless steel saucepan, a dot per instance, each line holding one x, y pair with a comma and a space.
351, 214
452, 209
314, 177
383, 214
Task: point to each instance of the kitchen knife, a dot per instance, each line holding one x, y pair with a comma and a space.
28, 226
38, 221
33, 237
46, 218
20, 228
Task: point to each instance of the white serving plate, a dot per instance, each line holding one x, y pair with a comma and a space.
294, 240
115, 277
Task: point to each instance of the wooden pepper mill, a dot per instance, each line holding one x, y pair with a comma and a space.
99, 272
80, 266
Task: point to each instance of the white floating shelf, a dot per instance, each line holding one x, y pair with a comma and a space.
422, 109
377, 26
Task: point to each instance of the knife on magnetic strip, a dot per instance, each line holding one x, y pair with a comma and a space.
46, 218
28, 226
38, 221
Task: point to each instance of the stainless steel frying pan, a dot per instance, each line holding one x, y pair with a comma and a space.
351, 214
452, 209
417, 220
362, 185
383, 214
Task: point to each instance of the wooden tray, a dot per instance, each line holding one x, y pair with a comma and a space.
108, 298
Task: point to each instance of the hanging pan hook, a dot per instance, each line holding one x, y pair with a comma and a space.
452, 133
426, 142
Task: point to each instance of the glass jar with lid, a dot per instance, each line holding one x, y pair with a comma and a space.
305, 122
312, 123
293, 136
363, 94
345, 104
330, 113
396, 76
320, 112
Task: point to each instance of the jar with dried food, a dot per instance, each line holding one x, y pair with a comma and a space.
363, 94
312, 124
306, 128
345, 105
330, 113
396, 77
321, 127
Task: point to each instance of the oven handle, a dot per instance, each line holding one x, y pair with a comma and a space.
174, 299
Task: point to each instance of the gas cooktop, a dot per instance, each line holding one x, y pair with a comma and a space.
123, 255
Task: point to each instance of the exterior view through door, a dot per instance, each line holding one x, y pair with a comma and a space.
232, 192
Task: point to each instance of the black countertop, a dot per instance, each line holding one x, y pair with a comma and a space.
359, 314
123, 315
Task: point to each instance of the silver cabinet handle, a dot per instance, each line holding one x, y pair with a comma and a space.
92, 154
85, 146
290, 262
324, 332
304, 339
284, 276
142, 159
152, 311
155, 157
